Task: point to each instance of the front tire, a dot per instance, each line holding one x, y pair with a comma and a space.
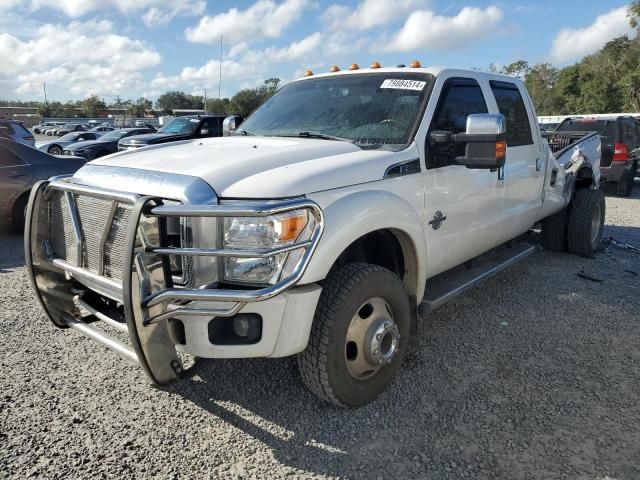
359, 335
554, 231
586, 222
54, 150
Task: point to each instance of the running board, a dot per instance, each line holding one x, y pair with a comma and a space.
448, 285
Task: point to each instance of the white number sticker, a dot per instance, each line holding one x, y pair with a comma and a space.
403, 84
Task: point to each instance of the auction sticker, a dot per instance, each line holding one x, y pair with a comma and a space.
403, 84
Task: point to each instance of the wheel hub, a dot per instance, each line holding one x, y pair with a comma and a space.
373, 339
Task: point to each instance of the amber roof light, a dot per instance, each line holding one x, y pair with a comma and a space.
354, 66
415, 64
375, 65
335, 68
308, 73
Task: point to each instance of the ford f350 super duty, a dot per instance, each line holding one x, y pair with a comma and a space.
346, 208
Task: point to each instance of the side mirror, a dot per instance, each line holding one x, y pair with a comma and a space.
230, 124
484, 140
204, 132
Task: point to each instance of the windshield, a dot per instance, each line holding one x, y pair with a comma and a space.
374, 110
70, 137
181, 125
113, 136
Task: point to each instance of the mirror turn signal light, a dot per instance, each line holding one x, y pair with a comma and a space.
501, 149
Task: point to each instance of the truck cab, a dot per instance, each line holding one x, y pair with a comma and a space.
340, 213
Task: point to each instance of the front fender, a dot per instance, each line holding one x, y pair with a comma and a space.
352, 216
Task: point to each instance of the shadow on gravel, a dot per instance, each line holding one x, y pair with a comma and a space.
11, 248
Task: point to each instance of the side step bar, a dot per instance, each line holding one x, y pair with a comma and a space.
448, 285
102, 338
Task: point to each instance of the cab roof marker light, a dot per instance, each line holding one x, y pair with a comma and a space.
308, 73
334, 69
375, 65
415, 64
354, 66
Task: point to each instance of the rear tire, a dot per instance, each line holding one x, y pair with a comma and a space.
359, 301
625, 184
554, 231
586, 222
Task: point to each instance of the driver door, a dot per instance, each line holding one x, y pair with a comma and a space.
463, 206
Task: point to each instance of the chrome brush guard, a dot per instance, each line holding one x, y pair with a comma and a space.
68, 268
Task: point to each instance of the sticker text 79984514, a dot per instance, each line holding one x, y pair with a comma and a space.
403, 84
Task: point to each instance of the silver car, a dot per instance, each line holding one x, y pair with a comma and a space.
56, 147
14, 130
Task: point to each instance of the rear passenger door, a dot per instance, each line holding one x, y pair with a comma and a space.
522, 173
463, 206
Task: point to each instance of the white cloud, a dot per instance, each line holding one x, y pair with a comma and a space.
574, 43
93, 60
263, 19
369, 13
425, 30
158, 12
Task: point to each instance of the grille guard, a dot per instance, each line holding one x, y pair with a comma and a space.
147, 291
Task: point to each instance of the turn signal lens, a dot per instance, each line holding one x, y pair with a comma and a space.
335, 68
415, 64
375, 65
354, 66
308, 73
501, 149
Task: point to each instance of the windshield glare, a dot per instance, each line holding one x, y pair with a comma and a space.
181, 125
377, 109
112, 136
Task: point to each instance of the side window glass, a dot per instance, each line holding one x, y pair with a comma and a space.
460, 97
9, 159
511, 105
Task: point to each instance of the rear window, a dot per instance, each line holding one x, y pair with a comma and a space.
606, 128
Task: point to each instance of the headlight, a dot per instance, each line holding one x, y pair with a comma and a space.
260, 233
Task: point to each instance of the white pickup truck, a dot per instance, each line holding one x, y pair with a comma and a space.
342, 211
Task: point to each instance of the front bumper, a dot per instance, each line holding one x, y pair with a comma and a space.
136, 294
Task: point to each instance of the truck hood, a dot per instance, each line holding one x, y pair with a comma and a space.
264, 167
149, 138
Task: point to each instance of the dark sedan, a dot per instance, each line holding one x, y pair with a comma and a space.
180, 128
105, 145
20, 167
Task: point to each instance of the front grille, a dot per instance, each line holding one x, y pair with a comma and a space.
93, 215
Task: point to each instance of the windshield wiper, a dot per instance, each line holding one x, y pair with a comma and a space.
323, 136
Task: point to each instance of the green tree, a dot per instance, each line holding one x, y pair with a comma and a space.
93, 106
219, 106
247, 100
517, 69
140, 107
541, 82
169, 101
634, 14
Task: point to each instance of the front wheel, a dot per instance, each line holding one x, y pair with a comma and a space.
586, 222
54, 150
359, 335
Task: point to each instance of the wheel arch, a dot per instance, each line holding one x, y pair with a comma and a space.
357, 222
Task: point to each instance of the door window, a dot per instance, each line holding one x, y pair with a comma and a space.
214, 125
460, 97
9, 158
511, 105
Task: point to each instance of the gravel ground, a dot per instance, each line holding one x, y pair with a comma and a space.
535, 374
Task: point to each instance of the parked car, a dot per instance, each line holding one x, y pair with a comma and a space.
106, 144
56, 147
347, 207
73, 127
620, 147
16, 131
43, 126
180, 128
20, 168
102, 128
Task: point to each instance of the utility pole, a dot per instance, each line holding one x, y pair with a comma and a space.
205, 100
44, 87
220, 79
